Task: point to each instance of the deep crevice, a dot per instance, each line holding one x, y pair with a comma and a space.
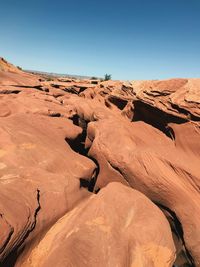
37, 87
9, 236
185, 112
90, 184
11, 258
71, 90
156, 118
179, 233
82, 89
118, 102
8, 92
78, 145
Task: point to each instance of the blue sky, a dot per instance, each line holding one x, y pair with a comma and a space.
129, 39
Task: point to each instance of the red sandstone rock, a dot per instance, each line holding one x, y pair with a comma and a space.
117, 227
178, 97
8, 67
59, 136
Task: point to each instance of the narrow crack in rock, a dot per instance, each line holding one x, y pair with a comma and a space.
10, 260
156, 118
179, 232
9, 236
78, 145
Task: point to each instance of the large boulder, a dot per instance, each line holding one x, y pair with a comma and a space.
117, 227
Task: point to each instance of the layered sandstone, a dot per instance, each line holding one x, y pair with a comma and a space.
98, 173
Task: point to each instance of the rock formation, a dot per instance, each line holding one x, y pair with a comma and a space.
98, 173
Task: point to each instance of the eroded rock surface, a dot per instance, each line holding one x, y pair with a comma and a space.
108, 233
98, 173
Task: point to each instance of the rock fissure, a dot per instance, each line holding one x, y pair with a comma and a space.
156, 118
10, 260
178, 229
78, 146
9, 235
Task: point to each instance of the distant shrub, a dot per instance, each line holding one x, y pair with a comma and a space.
93, 78
107, 77
49, 79
19, 67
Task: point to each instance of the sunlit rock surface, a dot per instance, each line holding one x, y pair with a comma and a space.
98, 173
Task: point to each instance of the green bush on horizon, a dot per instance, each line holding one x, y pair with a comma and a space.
107, 77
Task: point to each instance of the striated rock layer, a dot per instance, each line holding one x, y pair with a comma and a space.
98, 173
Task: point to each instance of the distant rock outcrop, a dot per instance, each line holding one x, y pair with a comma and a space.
6, 66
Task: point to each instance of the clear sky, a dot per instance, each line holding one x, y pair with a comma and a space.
130, 39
